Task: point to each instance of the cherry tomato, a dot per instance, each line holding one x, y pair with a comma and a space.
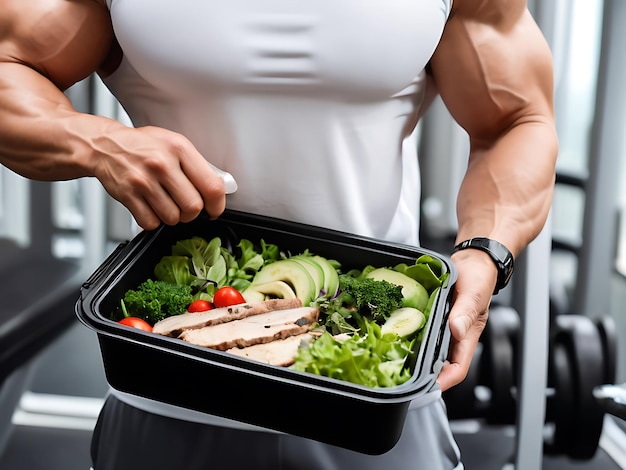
136, 323
199, 305
227, 296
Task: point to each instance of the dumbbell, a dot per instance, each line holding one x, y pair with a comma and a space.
583, 355
608, 335
580, 360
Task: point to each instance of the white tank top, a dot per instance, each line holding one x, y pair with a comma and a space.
310, 105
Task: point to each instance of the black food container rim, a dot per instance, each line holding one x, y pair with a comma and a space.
431, 351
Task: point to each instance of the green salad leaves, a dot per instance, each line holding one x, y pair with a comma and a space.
367, 357
207, 265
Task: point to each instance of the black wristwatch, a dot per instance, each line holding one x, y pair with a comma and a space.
499, 253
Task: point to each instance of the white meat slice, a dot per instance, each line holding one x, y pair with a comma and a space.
281, 352
256, 329
176, 324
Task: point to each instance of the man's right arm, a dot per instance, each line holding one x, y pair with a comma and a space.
45, 47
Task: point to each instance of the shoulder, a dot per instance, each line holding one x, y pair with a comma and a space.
65, 40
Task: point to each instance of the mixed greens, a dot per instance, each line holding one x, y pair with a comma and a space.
207, 265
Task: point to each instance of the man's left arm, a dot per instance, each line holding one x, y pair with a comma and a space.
493, 70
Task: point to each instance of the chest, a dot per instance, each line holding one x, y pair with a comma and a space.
360, 47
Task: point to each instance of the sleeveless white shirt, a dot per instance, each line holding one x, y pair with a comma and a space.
311, 106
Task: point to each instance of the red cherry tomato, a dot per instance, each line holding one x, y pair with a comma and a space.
227, 296
136, 323
199, 305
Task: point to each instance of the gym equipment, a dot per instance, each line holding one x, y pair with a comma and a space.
577, 366
582, 357
612, 398
608, 334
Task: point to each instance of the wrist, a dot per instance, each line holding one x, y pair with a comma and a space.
497, 252
103, 142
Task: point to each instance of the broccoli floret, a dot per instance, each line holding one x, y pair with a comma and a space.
371, 296
154, 300
359, 298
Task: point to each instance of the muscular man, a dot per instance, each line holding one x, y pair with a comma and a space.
312, 108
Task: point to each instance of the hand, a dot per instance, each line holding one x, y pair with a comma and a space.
474, 287
158, 175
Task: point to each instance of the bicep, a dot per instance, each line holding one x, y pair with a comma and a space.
494, 73
63, 40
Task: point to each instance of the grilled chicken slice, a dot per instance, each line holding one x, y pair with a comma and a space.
176, 324
256, 329
281, 352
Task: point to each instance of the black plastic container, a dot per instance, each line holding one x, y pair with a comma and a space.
360, 418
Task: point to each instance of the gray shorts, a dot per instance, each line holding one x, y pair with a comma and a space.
127, 438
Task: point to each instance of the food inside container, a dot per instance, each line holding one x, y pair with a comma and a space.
322, 322
298, 310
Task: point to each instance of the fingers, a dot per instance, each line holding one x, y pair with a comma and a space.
188, 181
467, 322
468, 316
460, 355
210, 191
149, 204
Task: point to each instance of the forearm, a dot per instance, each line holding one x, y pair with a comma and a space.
507, 191
41, 135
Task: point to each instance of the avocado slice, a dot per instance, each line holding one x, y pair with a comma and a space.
331, 278
253, 296
274, 289
314, 269
415, 295
290, 272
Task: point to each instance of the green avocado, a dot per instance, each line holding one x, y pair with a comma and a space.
331, 277
290, 272
415, 295
253, 296
314, 269
274, 289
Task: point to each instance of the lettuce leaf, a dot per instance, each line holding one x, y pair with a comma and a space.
369, 358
